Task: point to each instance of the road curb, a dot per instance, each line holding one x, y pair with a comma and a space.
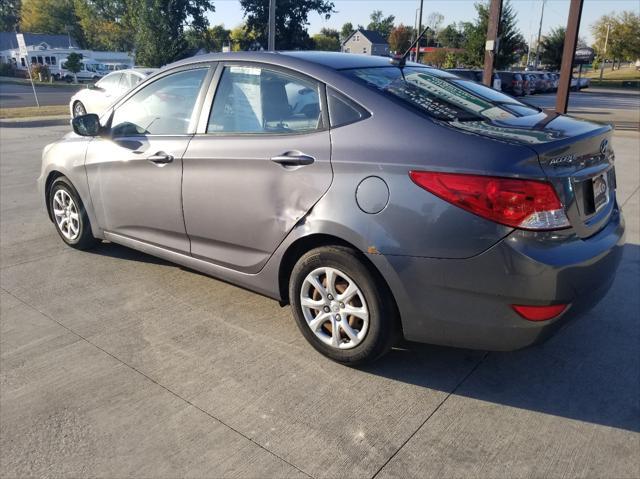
34, 122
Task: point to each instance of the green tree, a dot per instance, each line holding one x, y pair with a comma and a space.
106, 24
450, 36
9, 15
551, 46
346, 30
511, 43
160, 25
328, 43
624, 36
400, 38
292, 20
51, 16
211, 40
381, 24
74, 64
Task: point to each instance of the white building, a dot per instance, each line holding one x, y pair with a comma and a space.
53, 50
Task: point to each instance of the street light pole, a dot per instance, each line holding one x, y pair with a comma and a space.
539, 36
604, 52
271, 44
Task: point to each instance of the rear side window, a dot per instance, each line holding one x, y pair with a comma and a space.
262, 101
343, 111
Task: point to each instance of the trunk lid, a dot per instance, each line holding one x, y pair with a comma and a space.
575, 155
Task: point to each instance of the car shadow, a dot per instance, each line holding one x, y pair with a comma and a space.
587, 371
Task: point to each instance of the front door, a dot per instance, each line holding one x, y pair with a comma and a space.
135, 174
261, 165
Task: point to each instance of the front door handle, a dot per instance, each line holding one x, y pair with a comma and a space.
160, 158
293, 158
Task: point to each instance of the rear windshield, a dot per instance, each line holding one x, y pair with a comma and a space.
447, 99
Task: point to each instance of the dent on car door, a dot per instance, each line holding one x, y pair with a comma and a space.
135, 173
260, 166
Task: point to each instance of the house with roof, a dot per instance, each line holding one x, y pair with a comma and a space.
366, 42
53, 50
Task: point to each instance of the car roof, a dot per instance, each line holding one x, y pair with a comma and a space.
293, 59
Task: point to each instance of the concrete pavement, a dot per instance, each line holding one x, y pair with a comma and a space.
114, 363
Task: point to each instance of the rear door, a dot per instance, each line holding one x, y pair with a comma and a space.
260, 161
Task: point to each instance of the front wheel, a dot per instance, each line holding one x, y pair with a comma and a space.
341, 306
69, 215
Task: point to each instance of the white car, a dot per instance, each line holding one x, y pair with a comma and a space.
96, 98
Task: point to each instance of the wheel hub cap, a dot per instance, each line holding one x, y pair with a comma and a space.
66, 215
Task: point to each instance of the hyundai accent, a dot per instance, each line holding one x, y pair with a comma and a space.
380, 200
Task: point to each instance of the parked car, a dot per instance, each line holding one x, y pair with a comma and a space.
413, 202
584, 82
512, 83
555, 80
96, 98
529, 83
90, 70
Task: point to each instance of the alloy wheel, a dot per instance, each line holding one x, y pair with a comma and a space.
334, 308
66, 215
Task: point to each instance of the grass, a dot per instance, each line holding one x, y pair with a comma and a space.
33, 111
627, 74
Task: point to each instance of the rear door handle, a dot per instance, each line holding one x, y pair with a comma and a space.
293, 158
160, 158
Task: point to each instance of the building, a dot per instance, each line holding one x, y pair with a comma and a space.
53, 50
366, 42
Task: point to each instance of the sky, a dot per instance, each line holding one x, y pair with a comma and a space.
528, 13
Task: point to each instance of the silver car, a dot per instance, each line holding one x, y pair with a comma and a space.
98, 97
380, 201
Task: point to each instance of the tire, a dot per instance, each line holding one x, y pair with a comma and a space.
64, 197
368, 339
78, 109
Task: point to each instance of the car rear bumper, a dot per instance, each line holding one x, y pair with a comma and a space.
467, 302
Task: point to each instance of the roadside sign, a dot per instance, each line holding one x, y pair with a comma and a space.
25, 53
583, 56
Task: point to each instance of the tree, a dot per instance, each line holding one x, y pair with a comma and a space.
450, 36
292, 19
9, 15
328, 43
436, 57
511, 43
106, 24
400, 38
347, 29
51, 16
624, 36
552, 46
434, 22
211, 40
74, 64
379, 23
159, 27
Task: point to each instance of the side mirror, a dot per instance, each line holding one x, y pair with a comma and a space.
86, 125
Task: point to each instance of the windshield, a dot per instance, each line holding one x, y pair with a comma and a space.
444, 98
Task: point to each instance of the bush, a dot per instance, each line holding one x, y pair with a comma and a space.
40, 72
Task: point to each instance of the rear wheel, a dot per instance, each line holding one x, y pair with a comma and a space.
342, 307
69, 215
79, 109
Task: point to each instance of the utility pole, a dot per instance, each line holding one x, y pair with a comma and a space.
271, 44
568, 53
604, 52
417, 57
539, 35
491, 47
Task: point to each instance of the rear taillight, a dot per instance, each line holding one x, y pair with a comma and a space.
525, 204
539, 313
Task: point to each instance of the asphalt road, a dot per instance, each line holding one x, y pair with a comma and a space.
114, 364
13, 95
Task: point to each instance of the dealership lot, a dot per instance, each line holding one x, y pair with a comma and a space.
114, 363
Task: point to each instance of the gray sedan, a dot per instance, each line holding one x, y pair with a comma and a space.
378, 199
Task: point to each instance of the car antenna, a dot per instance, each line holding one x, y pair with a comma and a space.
401, 60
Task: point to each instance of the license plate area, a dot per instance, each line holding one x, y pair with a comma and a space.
600, 191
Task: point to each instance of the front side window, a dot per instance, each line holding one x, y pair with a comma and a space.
109, 82
262, 101
164, 107
441, 96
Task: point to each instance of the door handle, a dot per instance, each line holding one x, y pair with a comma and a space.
160, 158
293, 158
